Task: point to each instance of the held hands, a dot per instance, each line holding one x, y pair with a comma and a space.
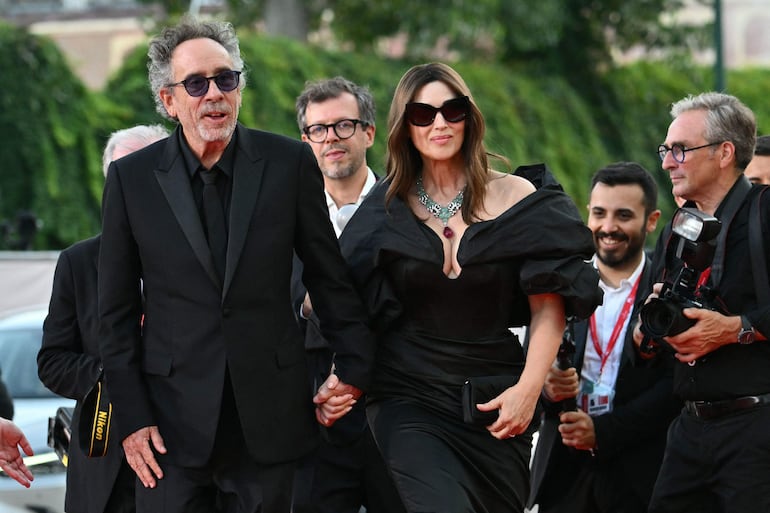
577, 430
561, 384
11, 460
516, 406
334, 399
138, 447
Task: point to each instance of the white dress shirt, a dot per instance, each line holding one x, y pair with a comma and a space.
606, 316
333, 210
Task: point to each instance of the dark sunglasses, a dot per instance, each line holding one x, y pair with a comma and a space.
198, 85
422, 114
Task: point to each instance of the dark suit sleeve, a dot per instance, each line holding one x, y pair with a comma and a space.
62, 364
298, 290
120, 311
646, 415
335, 301
6, 403
760, 316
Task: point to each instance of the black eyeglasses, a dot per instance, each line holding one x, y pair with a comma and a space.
678, 150
422, 114
198, 85
344, 128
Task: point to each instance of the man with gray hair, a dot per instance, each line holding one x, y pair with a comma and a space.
210, 393
69, 363
128, 140
716, 457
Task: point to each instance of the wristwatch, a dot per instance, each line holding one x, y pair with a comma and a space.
746, 335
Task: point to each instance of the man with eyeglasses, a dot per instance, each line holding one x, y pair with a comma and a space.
210, 394
336, 117
716, 457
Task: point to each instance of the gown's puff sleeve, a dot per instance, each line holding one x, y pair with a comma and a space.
543, 234
546, 233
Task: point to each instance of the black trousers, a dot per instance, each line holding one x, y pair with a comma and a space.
231, 482
719, 465
590, 488
342, 478
123, 496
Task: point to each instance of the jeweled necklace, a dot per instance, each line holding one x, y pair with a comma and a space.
442, 213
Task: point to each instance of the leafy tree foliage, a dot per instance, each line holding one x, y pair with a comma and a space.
52, 129
574, 35
49, 147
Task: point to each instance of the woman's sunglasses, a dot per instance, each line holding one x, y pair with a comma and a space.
198, 85
422, 114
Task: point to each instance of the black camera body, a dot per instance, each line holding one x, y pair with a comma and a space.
689, 252
663, 317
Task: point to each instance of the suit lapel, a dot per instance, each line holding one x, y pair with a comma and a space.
174, 180
247, 178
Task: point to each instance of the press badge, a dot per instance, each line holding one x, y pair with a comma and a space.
595, 398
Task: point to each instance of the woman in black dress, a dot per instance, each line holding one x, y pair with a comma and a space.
449, 254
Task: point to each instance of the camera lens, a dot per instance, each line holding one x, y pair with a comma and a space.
663, 318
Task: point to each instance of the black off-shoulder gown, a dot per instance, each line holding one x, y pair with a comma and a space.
434, 332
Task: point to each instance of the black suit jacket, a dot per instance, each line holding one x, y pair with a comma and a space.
631, 438
171, 372
69, 364
320, 358
6, 402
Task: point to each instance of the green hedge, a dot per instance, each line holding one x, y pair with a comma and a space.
49, 149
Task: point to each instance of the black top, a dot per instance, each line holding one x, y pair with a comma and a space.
733, 370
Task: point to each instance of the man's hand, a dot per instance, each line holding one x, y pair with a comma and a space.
561, 384
577, 430
11, 460
637, 334
711, 331
307, 307
140, 457
334, 399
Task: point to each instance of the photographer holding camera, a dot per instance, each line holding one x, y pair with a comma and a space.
716, 457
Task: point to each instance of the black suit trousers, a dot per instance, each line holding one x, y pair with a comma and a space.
716, 466
591, 489
232, 481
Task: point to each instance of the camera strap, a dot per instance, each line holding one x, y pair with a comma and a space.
757, 250
732, 203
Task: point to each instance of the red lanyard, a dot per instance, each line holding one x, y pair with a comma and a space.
605, 355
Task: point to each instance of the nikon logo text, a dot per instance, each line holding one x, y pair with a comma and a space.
101, 421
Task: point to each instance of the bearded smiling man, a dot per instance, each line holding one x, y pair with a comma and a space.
618, 433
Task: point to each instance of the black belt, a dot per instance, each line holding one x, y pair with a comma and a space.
712, 409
